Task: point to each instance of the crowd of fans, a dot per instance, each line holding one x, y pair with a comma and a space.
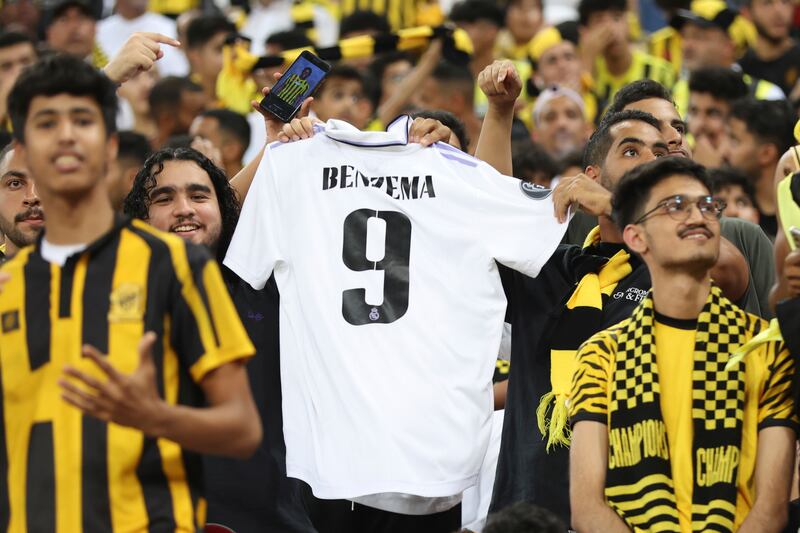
153, 105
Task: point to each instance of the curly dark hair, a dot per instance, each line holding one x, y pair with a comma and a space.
137, 203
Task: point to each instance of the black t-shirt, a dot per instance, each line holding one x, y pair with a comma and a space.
525, 470
769, 223
783, 71
254, 495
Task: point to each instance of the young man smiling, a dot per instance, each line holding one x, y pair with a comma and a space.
716, 435
95, 442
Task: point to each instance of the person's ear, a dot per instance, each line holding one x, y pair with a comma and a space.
634, 238
592, 172
766, 154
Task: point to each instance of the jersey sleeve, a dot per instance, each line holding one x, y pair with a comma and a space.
205, 328
588, 398
776, 407
255, 246
516, 220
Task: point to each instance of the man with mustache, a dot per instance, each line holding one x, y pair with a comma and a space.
672, 430
21, 215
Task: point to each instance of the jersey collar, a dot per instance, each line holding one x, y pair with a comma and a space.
395, 135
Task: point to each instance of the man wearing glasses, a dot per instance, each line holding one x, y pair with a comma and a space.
671, 432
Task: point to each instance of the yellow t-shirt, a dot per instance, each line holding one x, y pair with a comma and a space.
674, 357
768, 402
643, 66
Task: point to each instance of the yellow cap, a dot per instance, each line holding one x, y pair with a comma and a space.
543, 41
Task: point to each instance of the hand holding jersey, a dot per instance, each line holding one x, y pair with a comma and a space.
357, 253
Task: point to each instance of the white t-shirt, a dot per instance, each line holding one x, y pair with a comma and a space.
113, 31
277, 16
391, 306
59, 253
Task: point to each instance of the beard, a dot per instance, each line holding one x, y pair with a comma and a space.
19, 238
762, 32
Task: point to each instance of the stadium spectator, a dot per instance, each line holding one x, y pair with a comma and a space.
21, 215
559, 121
714, 35
229, 132
205, 37
555, 61
737, 191
17, 51
775, 54
451, 88
666, 42
174, 104
533, 163
71, 28
759, 133
482, 21
344, 96
712, 92
132, 16
684, 328
63, 112
607, 52
134, 149
523, 20
389, 71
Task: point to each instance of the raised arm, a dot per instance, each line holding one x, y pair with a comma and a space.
588, 462
395, 105
501, 84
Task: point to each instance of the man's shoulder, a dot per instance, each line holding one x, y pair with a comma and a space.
165, 245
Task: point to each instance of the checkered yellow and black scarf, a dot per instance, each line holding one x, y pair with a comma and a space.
582, 317
639, 483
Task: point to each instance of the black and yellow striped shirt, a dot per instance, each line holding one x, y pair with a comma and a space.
293, 88
643, 66
62, 471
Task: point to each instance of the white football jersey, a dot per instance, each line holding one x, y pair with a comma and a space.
391, 306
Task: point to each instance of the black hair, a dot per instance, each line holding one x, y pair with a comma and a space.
600, 142
730, 177
379, 66
455, 74
179, 140
59, 74
231, 123
475, 10
510, 3
636, 92
5, 139
572, 159
721, 82
203, 28
524, 517
769, 121
137, 203
7, 147
133, 147
671, 6
362, 21
449, 120
529, 158
587, 8
289, 40
12, 38
633, 190
165, 96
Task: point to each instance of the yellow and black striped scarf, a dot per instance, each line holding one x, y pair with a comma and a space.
582, 318
639, 483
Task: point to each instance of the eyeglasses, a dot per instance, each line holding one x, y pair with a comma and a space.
679, 208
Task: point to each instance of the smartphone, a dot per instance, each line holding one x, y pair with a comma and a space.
299, 82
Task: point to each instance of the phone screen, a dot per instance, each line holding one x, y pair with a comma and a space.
296, 84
